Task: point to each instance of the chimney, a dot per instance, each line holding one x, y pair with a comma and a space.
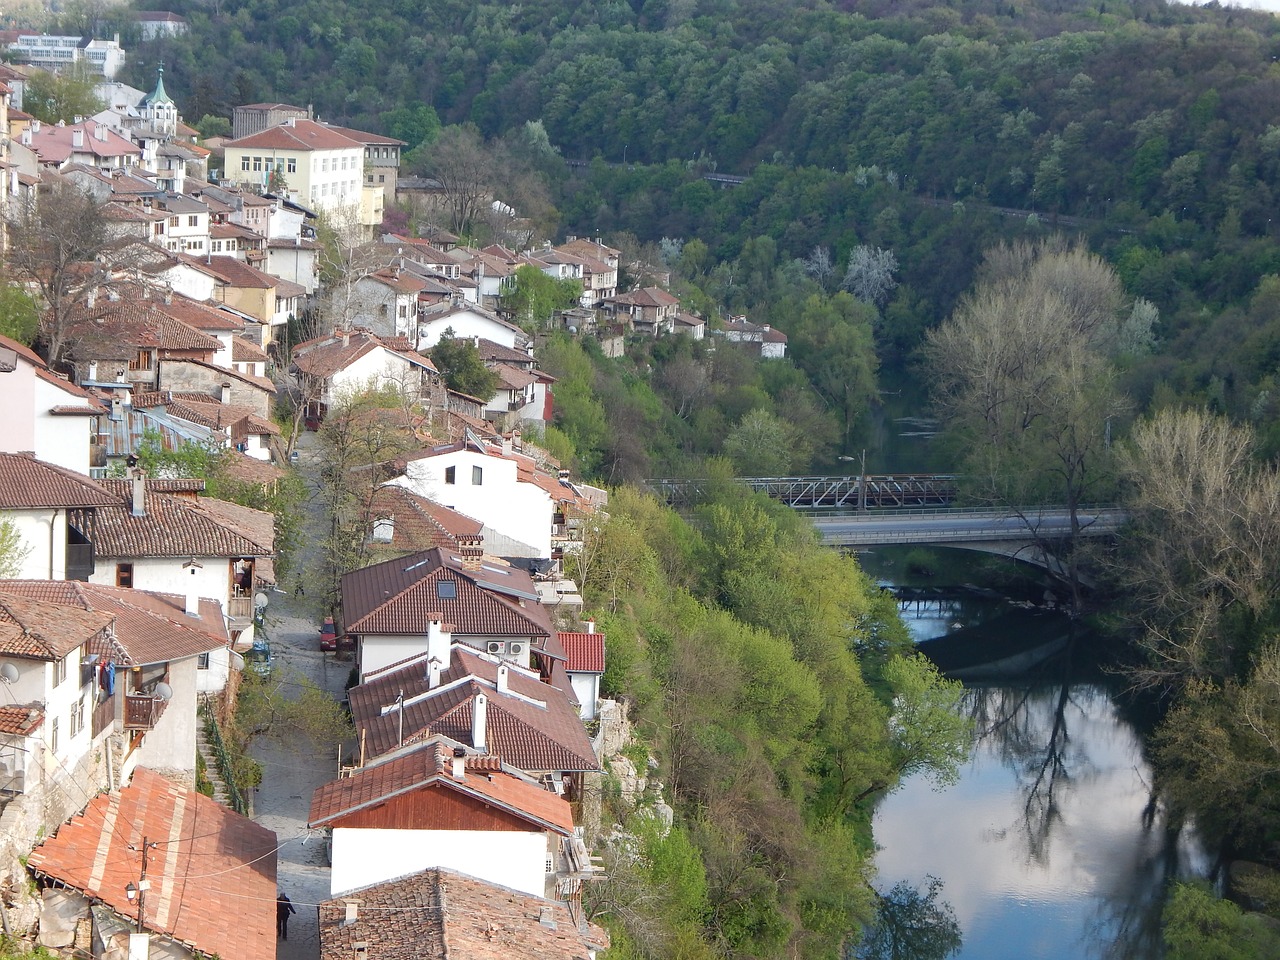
590, 624
117, 411
479, 711
26, 136
101, 132
472, 552
35, 126
93, 370
192, 569
226, 393
77, 139
353, 913
503, 670
433, 673
439, 642
459, 763
139, 493
346, 338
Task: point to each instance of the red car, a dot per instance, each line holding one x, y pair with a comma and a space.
328, 635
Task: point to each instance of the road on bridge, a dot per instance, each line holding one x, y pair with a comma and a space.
964, 526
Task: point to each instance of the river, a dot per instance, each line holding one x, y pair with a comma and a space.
1050, 846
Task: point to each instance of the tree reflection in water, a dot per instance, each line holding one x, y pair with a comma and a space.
911, 925
1028, 722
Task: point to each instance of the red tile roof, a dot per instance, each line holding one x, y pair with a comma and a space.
171, 526
202, 316
39, 630
21, 719
439, 914
212, 873
127, 324
296, 134
419, 523
584, 652
233, 272
149, 627
325, 356
29, 484
483, 784
534, 727
399, 597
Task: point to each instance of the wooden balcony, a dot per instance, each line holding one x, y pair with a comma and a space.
104, 715
142, 711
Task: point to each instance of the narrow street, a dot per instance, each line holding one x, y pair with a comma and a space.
291, 771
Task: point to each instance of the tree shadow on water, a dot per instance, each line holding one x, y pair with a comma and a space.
910, 924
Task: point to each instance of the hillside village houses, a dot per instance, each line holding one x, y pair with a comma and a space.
475, 676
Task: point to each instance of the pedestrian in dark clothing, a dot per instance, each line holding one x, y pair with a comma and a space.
299, 590
283, 908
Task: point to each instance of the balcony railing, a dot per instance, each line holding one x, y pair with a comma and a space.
142, 711
240, 608
104, 715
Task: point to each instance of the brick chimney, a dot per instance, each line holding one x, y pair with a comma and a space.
471, 549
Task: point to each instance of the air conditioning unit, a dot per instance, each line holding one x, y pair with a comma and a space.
517, 649
496, 646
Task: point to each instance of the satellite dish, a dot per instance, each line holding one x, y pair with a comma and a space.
260, 600
162, 691
9, 673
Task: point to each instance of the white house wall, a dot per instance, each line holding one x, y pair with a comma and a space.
465, 324
171, 744
519, 511
44, 532
586, 688
509, 858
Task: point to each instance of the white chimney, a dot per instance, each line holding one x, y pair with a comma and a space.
226, 393
459, 763
439, 641
192, 568
353, 913
591, 625
503, 670
77, 139
139, 494
479, 714
101, 131
93, 370
433, 673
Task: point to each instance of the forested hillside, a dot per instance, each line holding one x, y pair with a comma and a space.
930, 130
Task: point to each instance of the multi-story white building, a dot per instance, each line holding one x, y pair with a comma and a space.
55, 53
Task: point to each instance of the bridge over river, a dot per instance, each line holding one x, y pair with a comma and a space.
883, 509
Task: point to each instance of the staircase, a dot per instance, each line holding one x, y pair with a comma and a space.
211, 767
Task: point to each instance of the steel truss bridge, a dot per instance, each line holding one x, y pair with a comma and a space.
870, 492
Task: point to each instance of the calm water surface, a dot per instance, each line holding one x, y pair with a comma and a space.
1050, 846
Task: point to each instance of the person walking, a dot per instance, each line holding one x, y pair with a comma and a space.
283, 908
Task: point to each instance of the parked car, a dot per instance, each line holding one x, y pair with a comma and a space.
328, 635
259, 658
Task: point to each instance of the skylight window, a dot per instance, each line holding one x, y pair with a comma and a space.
446, 590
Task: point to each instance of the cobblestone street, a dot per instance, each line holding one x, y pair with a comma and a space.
292, 770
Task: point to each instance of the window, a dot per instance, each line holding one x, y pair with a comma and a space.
324, 165
53, 735
477, 476
193, 220
446, 590
202, 662
77, 718
450, 474
59, 671
244, 162
124, 574
173, 221
382, 178
383, 529
257, 164
292, 164
217, 246
369, 178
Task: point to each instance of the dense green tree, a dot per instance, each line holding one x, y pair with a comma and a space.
1200, 926
19, 314
460, 365
61, 97
534, 296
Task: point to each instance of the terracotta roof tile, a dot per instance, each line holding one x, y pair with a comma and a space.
21, 719
439, 914
170, 527
534, 727
398, 596
430, 768
213, 874
129, 324
28, 484
584, 652
419, 523
325, 356
41, 630
149, 627
297, 134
